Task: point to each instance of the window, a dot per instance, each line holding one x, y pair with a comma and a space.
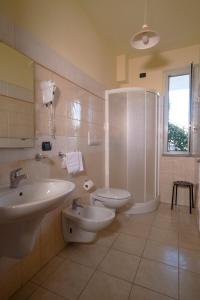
177, 113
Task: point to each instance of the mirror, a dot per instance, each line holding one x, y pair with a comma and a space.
16, 99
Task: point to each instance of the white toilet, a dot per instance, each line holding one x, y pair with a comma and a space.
110, 198
81, 223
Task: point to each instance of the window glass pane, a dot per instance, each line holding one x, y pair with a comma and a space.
179, 113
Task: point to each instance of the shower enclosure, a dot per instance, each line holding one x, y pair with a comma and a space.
132, 147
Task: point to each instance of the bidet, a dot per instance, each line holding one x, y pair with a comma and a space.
82, 224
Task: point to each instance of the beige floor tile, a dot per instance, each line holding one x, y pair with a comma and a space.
136, 228
158, 277
122, 218
50, 268
140, 293
106, 238
189, 260
68, 280
183, 209
188, 218
160, 252
25, 292
189, 285
43, 294
165, 222
120, 264
168, 237
89, 255
189, 224
165, 210
189, 241
190, 229
103, 286
143, 218
119, 222
130, 244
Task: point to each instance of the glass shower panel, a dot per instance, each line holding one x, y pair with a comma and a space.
136, 145
151, 145
118, 140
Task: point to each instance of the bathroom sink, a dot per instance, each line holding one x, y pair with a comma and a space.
28, 199
22, 210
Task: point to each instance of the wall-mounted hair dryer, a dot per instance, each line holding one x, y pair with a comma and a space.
48, 89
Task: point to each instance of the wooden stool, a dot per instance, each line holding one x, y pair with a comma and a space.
184, 184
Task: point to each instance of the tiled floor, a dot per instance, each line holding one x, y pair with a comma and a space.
140, 257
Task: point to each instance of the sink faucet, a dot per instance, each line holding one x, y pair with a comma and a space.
16, 177
75, 204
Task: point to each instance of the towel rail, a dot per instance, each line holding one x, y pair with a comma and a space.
61, 154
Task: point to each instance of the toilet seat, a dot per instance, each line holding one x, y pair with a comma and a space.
112, 193
110, 197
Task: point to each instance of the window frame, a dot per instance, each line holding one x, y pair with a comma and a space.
171, 73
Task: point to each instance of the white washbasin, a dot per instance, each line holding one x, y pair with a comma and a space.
31, 198
22, 210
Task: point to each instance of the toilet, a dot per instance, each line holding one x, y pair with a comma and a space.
81, 223
110, 198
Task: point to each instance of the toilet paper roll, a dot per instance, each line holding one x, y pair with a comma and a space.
88, 184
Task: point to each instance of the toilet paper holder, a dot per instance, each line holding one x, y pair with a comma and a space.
88, 184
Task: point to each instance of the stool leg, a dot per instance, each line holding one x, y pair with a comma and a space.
176, 195
190, 199
172, 203
193, 206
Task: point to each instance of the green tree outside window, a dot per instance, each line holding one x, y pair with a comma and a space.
177, 138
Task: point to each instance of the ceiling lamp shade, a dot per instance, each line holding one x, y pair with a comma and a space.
145, 39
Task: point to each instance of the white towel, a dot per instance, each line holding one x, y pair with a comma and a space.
73, 162
80, 161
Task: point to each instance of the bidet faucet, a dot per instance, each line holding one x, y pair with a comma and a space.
75, 204
16, 177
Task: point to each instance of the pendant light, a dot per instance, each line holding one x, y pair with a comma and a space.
146, 38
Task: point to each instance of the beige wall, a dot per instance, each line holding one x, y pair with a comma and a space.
171, 168
71, 134
155, 65
64, 27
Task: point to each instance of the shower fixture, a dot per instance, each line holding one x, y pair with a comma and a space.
146, 38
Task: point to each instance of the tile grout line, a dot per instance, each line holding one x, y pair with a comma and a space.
157, 292
40, 284
133, 281
96, 268
93, 274
52, 292
108, 250
141, 256
29, 281
152, 260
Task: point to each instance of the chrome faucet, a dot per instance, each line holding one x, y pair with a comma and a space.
75, 204
16, 177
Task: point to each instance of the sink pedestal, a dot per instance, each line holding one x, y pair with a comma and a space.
17, 239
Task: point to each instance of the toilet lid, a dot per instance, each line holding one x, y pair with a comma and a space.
112, 193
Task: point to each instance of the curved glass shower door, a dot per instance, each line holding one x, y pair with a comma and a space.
132, 143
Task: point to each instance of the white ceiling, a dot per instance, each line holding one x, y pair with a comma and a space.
177, 22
